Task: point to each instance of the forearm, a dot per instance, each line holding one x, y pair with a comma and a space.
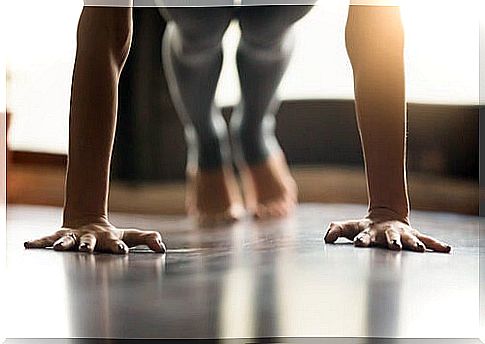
99, 60
375, 47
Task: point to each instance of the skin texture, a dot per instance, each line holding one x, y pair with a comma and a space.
270, 190
375, 44
104, 39
213, 197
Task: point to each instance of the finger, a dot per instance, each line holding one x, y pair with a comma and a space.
347, 230
155, 243
412, 243
277, 209
44, 242
87, 243
363, 239
66, 242
261, 212
434, 244
114, 246
393, 239
152, 239
122, 247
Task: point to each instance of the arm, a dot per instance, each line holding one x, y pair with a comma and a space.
374, 38
375, 44
104, 38
101, 52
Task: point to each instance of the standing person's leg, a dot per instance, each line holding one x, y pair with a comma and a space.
263, 55
375, 44
103, 42
192, 55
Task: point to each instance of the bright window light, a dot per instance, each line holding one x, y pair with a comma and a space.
442, 61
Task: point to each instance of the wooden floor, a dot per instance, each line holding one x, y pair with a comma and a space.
273, 279
44, 185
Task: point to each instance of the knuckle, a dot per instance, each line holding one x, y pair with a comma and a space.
89, 236
155, 235
105, 241
387, 227
338, 224
112, 240
105, 236
152, 233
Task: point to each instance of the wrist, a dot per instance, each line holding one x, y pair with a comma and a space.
388, 214
76, 219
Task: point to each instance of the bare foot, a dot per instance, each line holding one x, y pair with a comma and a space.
269, 188
213, 197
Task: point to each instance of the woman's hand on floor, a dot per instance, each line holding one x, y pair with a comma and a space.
102, 237
384, 232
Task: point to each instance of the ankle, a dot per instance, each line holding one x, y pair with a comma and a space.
253, 149
210, 151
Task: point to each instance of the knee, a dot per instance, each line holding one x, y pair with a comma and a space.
198, 41
267, 45
109, 30
196, 32
264, 38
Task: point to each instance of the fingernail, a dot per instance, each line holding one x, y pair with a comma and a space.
121, 248
327, 238
163, 248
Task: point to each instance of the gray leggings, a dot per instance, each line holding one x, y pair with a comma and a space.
192, 55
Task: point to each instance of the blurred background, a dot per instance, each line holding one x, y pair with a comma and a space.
316, 122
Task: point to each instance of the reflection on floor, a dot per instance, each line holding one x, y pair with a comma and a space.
250, 280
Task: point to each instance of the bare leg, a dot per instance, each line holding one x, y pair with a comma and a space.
192, 54
375, 41
104, 38
262, 58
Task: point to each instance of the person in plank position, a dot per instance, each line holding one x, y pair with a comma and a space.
374, 39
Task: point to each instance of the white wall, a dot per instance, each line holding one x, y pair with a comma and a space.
442, 57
